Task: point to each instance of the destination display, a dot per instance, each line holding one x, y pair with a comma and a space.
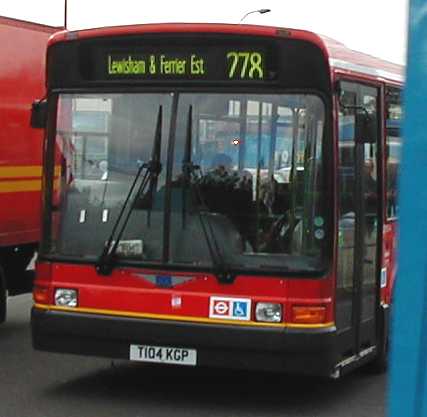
156, 65
184, 59
231, 64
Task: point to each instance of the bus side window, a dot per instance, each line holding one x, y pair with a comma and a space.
393, 149
346, 145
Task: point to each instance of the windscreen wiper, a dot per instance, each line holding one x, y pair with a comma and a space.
152, 169
221, 269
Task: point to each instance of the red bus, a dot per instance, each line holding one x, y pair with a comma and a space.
22, 80
226, 197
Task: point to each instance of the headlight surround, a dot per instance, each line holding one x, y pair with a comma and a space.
66, 297
268, 312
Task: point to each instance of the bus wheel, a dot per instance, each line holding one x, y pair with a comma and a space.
3, 296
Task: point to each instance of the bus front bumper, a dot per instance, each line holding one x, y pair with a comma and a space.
300, 351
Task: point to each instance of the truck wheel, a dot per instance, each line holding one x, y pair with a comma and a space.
3, 296
14, 262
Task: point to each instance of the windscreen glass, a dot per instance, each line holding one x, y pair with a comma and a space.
241, 179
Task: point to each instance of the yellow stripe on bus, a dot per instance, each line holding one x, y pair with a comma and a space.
206, 320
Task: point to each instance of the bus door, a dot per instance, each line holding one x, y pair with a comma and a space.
359, 221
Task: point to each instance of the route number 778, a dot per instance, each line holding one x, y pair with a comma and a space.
245, 65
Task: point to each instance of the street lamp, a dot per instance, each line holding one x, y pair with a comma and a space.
260, 11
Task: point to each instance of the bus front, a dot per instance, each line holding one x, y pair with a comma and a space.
188, 204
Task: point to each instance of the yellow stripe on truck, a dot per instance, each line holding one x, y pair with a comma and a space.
13, 179
20, 186
20, 171
24, 171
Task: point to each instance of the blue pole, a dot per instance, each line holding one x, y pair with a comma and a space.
408, 383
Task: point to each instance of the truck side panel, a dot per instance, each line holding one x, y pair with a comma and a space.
22, 80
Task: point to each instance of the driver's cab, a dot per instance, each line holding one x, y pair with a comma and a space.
251, 153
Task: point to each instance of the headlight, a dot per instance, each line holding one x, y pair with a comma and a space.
65, 297
268, 312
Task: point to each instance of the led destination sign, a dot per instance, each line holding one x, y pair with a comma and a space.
213, 64
183, 59
156, 65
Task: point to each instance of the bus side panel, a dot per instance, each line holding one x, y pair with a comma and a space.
389, 262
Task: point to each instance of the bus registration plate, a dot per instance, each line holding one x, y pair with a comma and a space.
163, 354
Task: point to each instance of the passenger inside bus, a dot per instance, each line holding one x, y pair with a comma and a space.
221, 162
369, 181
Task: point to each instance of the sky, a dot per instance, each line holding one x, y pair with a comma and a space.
376, 27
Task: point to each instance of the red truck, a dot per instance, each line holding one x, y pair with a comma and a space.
22, 80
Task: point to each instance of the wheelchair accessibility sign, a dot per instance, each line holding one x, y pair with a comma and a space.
230, 308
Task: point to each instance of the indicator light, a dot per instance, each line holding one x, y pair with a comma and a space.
41, 294
308, 314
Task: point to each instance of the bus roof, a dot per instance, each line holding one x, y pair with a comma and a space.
340, 57
343, 58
